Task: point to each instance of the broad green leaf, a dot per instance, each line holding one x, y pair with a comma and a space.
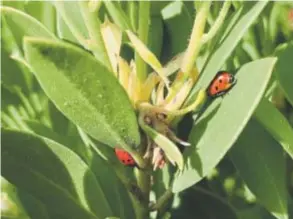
197, 202
43, 11
260, 161
174, 15
283, 72
84, 90
21, 24
59, 122
71, 142
19, 5
227, 46
171, 150
105, 173
156, 35
276, 124
220, 125
53, 174
63, 30
16, 203
14, 74
71, 15
157, 6
162, 179
255, 212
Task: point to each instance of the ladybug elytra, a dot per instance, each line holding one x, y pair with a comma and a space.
124, 157
221, 84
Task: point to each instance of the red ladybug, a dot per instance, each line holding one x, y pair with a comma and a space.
221, 84
124, 157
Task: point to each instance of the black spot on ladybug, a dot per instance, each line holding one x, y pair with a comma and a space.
221, 84
129, 160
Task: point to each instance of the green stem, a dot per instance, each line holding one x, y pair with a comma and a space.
192, 49
96, 44
143, 182
143, 30
162, 201
195, 39
118, 15
218, 23
132, 13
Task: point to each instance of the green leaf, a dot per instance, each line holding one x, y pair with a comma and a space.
121, 204
261, 163
220, 125
72, 16
174, 15
63, 30
84, 90
226, 47
53, 174
196, 203
43, 11
156, 35
14, 74
26, 205
21, 24
283, 73
71, 142
276, 124
60, 123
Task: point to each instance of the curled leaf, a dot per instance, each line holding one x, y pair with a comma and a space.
112, 36
147, 55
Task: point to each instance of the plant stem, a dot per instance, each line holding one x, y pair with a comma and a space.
143, 30
143, 182
133, 14
218, 23
195, 39
162, 200
192, 50
96, 44
118, 15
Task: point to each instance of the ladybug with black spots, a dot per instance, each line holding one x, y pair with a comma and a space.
221, 84
124, 157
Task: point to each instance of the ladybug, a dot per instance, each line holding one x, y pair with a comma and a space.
124, 157
221, 84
